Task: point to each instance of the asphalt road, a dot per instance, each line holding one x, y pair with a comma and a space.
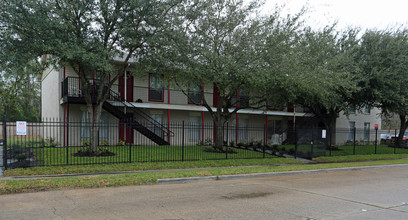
362, 194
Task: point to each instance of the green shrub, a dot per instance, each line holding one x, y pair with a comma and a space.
208, 141
121, 143
50, 142
104, 143
86, 143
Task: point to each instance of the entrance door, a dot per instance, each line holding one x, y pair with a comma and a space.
129, 88
125, 132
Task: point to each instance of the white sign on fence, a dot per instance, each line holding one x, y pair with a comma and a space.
323, 134
21, 127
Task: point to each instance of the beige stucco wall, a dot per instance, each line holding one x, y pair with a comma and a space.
343, 127
73, 132
50, 94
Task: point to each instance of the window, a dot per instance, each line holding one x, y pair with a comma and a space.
156, 126
241, 130
194, 95
366, 131
352, 125
103, 126
156, 89
352, 109
194, 131
367, 109
84, 125
242, 97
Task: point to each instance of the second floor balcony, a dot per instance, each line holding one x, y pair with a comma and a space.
71, 91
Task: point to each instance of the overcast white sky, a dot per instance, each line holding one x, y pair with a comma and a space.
361, 13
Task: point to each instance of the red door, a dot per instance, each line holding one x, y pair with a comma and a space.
125, 132
129, 88
124, 127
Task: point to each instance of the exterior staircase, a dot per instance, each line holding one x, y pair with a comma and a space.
134, 117
150, 128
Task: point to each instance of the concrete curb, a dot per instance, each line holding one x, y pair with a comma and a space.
271, 174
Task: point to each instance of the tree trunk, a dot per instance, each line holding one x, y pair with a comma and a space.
332, 130
403, 127
94, 115
219, 139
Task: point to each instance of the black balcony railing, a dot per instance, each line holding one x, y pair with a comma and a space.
71, 87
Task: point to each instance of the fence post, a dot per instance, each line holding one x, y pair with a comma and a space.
330, 141
227, 134
5, 142
296, 141
67, 136
312, 143
376, 131
182, 142
395, 141
311, 148
131, 139
354, 141
263, 149
226, 147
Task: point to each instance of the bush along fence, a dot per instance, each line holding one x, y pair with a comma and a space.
55, 142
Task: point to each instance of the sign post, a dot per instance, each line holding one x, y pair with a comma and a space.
324, 136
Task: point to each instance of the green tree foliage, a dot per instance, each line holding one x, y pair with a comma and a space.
20, 93
84, 34
322, 77
222, 43
383, 76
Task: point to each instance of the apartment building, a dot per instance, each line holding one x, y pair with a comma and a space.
153, 105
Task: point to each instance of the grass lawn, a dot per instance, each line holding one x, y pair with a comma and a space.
34, 185
367, 149
126, 154
103, 168
349, 158
25, 141
346, 150
54, 156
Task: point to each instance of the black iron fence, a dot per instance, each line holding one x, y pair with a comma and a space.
55, 143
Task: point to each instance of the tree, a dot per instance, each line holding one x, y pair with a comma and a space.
323, 73
20, 92
85, 34
219, 43
383, 76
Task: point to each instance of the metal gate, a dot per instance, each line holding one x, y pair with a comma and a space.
311, 143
